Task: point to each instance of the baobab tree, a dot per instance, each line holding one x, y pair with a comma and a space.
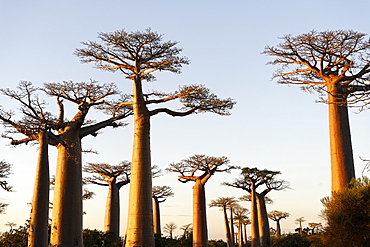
250, 179
240, 215
224, 203
138, 55
276, 216
186, 228
115, 177
299, 221
169, 228
336, 64
199, 168
159, 194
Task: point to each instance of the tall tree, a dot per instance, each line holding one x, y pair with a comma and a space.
250, 179
223, 203
276, 216
199, 168
169, 228
159, 194
138, 55
115, 177
335, 63
240, 215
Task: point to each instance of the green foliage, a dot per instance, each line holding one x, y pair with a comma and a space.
292, 240
348, 216
14, 237
216, 243
96, 238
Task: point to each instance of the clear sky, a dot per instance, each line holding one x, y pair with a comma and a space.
272, 126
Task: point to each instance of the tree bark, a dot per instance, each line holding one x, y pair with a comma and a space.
140, 216
200, 231
264, 228
227, 228
67, 208
112, 211
38, 235
156, 217
232, 229
240, 234
342, 164
254, 219
245, 235
278, 228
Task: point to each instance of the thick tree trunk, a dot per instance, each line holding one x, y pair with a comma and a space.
254, 219
200, 231
263, 222
112, 214
156, 217
140, 216
342, 165
38, 235
232, 229
67, 208
227, 228
278, 228
240, 234
245, 235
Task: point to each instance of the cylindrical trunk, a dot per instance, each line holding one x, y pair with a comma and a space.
112, 214
227, 228
254, 219
156, 217
342, 165
245, 235
66, 228
232, 229
140, 215
263, 222
278, 228
240, 234
200, 231
38, 235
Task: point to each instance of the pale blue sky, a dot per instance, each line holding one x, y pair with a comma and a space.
272, 126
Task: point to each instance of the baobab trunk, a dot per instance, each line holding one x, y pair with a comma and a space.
200, 231
264, 228
232, 231
140, 216
112, 214
38, 235
156, 217
278, 228
254, 219
66, 230
342, 165
227, 228
240, 234
245, 235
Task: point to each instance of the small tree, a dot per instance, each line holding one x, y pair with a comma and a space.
138, 55
299, 221
169, 228
224, 203
348, 220
199, 168
276, 216
240, 215
160, 194
336, 64
115, 177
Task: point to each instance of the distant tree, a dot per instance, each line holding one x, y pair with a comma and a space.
186, 228
115, 177
333, 63
138, 55
276, 216
250, 179
169, 228
160, 194
240, 215
5, 171
299, 221
199, 168
314, 226
347, 217
224, 203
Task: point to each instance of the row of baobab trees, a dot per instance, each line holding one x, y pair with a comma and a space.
334, 63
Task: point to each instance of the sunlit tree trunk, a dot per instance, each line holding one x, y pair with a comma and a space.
240, 234
67, 207
200, 231
264, 228
156, 217
38, 232
245, 235
342, 164
140, 216
232, 229
227, 228
278, 228
112, 214
254, 219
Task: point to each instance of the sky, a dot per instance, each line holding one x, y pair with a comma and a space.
272, 126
